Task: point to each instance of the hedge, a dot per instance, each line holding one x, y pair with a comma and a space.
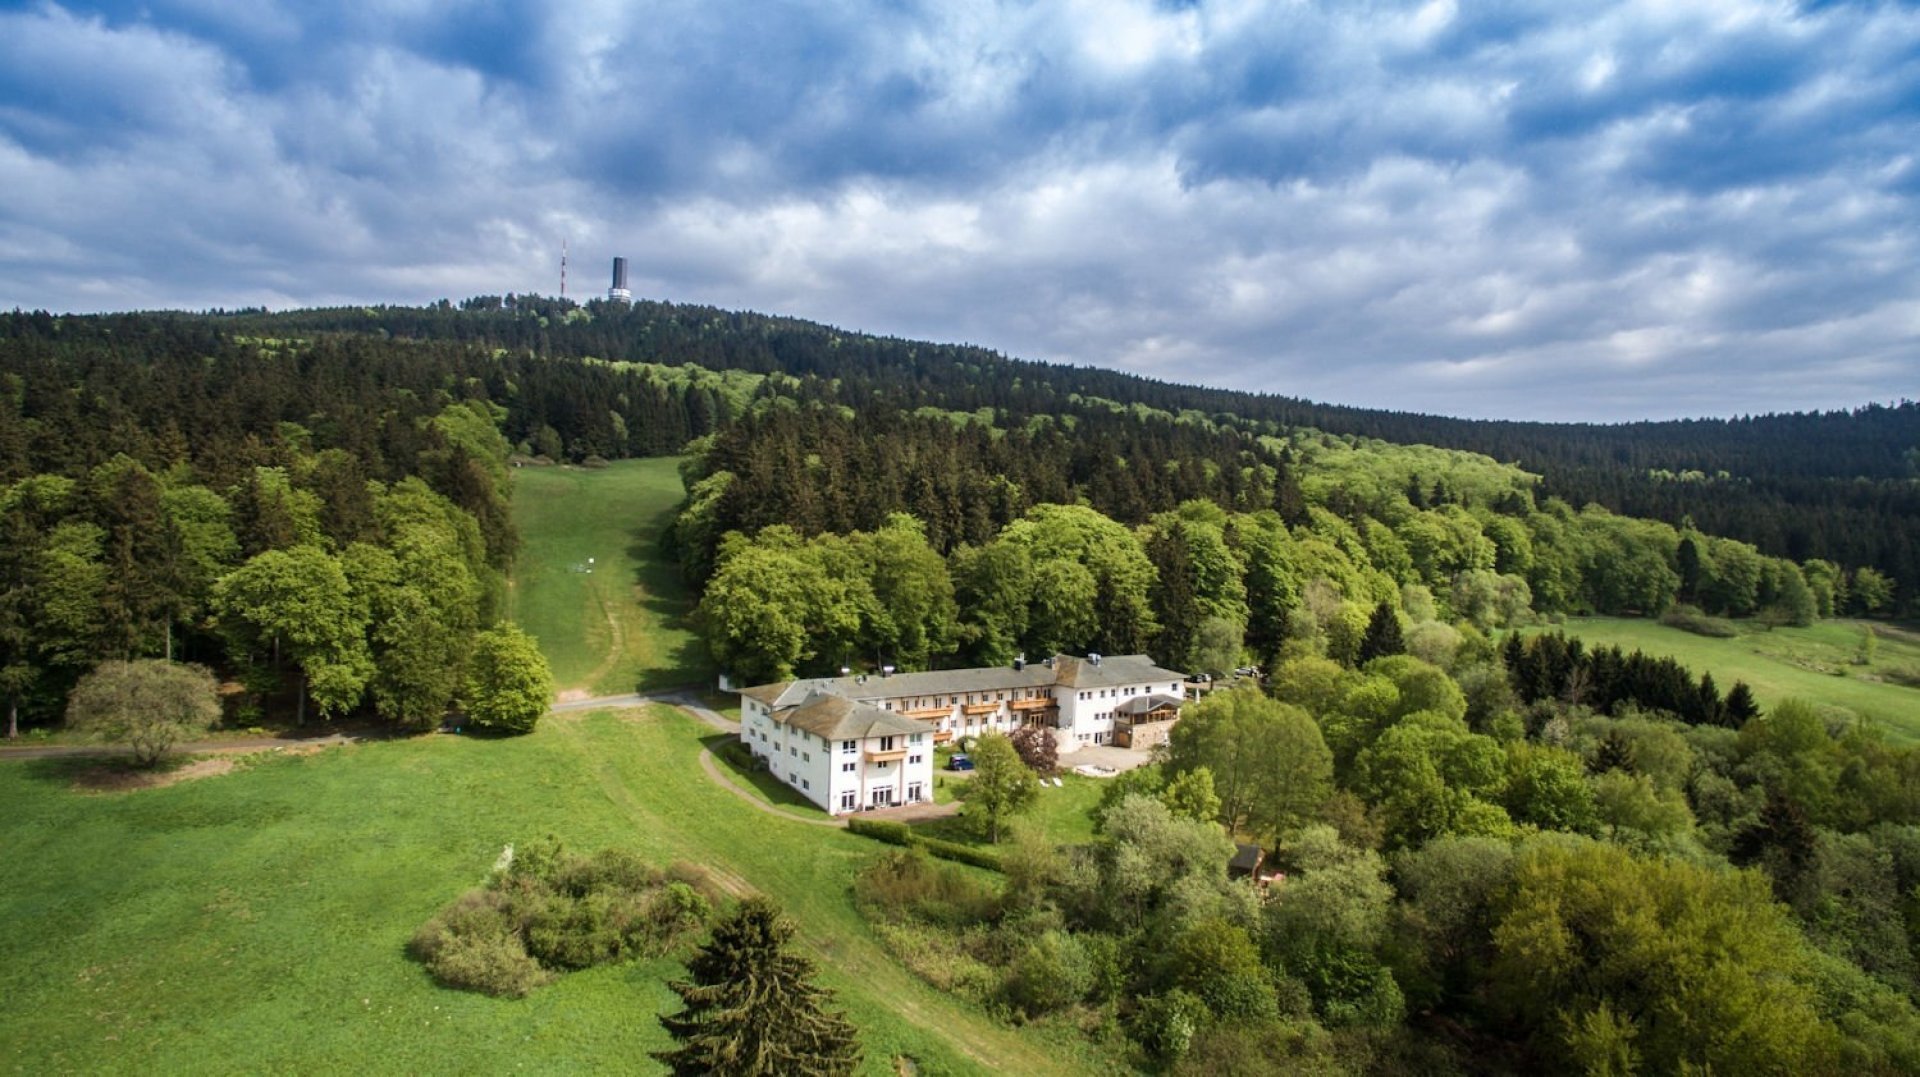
901, 834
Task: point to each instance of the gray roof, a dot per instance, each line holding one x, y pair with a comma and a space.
1111, 672
1148, 704
839, 718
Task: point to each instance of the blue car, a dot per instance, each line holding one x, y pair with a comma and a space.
959, 761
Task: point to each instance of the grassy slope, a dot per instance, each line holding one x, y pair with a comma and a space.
622, 626
1807, 663
257, 922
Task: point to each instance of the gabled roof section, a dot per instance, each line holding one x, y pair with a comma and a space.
1112, 671
834, 717
1148, 704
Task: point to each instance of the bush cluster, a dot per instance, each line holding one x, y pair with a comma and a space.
895, 833
906, 886
547, 911
1690, 619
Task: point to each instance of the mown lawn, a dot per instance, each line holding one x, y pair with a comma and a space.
1060, 814
616, 623
1815, 663
257, 922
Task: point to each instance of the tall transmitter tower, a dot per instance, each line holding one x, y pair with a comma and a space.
619, 293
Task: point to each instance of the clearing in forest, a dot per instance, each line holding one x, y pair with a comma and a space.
258, 923
592, 583
1820, 664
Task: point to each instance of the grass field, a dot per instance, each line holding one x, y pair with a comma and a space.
590, 583
1815, 664
256, 922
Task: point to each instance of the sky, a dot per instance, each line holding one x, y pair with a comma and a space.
1542, 210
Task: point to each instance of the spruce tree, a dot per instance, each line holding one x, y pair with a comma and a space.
1739, 706
1383, 635
752, 1008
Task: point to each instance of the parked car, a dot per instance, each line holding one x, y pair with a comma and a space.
959, 761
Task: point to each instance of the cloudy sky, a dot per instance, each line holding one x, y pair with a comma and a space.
1510, 209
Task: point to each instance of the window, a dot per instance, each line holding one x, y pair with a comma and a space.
805, 784
846, 746
886, 744
846, 768
846, 800
791, 750
806, 757
915, 758
913, 792
914, 738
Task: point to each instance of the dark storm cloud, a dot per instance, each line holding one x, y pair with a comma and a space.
1527, 209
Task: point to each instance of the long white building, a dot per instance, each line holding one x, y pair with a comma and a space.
852, 743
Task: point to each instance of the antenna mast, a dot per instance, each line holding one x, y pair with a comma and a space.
563, 269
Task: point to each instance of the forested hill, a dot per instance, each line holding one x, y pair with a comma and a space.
1838, 486
1872, 442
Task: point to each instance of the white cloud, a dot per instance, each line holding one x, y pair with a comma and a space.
1518, 210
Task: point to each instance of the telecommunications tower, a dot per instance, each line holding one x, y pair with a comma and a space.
619, 293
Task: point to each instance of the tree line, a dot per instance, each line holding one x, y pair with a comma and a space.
1836, 486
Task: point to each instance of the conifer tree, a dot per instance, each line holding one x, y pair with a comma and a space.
1739, 706
752, 1008
1383, 635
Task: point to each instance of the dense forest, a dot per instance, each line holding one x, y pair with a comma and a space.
1834, 486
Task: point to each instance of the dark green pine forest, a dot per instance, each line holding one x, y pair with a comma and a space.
1505, 851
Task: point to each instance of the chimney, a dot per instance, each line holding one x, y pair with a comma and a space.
1020, 661
1094, 658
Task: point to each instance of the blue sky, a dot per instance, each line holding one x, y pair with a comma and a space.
1527, 210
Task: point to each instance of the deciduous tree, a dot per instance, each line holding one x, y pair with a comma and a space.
147, 704
1001, 786
508, 684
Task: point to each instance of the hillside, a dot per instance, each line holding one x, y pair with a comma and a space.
1836, 486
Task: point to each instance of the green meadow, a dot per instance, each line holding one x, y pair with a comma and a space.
592, 584
257, 921
1818, 664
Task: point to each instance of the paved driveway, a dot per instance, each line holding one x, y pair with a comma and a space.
1104, 755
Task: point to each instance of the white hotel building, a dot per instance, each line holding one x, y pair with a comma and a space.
852, 743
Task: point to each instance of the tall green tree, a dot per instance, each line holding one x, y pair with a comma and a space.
1702, 971
1383, 637
508, 685
1002, 785
752, 1007
1268, 763
297, 604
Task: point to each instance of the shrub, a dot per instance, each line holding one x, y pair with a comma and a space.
548, 911
1051, 974
908, 886
882, 830
1690, 619
965, 854
1163, 1025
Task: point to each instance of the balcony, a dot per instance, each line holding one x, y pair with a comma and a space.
979, 708
1031, 704
925, 712
875, 755
941, 736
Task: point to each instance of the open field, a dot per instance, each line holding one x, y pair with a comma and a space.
1815, 664
616, 624
256, 922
